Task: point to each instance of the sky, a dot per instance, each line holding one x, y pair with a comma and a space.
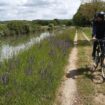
38, 9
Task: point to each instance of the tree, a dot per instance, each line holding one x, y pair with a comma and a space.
19, 27
87, 11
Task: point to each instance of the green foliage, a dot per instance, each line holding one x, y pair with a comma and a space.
19, 27
51, 26
55, 22
80, 20
3, 28
86, 13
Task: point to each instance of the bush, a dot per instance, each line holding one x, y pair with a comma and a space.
20, 27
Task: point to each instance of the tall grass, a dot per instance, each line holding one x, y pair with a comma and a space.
32, 77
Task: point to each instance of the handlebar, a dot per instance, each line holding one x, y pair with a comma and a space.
99, 40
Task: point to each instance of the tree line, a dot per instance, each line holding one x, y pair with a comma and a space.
23, 27
86, 12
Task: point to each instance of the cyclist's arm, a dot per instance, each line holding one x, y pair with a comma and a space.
94, 30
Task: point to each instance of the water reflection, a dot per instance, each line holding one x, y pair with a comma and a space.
8, 51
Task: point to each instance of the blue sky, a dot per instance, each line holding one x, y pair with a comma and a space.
37, 9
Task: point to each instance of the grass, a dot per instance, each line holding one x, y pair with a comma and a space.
84, 83
87, 31
32, 77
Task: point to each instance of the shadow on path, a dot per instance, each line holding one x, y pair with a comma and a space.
79, 72
84, 43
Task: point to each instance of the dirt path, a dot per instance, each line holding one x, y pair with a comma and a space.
67, 92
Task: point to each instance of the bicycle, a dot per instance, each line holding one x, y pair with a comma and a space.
100, 57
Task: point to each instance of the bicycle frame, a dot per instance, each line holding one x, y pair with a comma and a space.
100, 50
100, 56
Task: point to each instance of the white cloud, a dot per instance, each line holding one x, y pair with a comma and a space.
38, 9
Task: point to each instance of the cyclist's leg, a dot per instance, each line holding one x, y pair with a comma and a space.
103, 52
95, 43
94, 63
102, 44
103, 60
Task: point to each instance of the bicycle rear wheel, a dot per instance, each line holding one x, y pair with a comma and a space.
103, 67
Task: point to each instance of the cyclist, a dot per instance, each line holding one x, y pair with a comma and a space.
98, 30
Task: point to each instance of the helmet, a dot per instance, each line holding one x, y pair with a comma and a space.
100, 14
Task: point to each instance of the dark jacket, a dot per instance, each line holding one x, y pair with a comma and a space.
98, 29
